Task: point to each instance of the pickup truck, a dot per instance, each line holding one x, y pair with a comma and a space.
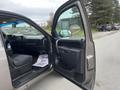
27, 51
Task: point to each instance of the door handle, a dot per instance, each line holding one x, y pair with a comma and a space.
89, 57
90, 62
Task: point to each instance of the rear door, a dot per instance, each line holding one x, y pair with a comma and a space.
73, 46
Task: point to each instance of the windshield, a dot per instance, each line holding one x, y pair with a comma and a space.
40, 11
18, 27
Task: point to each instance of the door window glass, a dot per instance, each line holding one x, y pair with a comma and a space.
70, 25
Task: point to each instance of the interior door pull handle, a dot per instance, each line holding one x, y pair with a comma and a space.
57, 45
65, 51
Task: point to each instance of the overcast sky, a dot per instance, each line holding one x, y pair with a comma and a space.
38, 10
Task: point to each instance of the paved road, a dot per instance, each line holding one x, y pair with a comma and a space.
108, 68
108, 62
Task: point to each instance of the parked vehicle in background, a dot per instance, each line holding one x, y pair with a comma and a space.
116, 26
101, 27
108, 27
104, 27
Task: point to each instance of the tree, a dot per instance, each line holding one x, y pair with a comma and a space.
101, 11
116, 11
50, 20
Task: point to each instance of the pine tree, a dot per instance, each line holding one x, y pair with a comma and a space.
116, 11
101, 11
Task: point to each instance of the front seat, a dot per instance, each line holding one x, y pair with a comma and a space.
19, 64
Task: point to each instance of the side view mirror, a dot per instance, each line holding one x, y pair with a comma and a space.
65, 33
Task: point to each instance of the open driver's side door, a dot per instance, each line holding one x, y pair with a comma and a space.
73, 46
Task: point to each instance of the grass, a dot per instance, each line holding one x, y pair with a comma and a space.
75, 33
